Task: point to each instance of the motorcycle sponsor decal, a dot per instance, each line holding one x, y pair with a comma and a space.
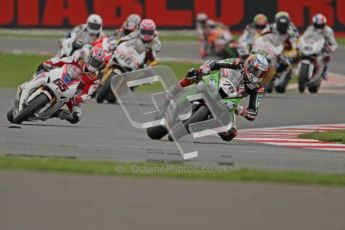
167, 13
60, 84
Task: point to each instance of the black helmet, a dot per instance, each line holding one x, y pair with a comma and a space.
282, 20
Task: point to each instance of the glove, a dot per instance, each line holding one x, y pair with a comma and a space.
207, 67
192, 75
251, 114
44, 68
242, 111
77, 44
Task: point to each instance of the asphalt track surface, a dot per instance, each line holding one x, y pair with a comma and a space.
105, 133
50, 201
175, 50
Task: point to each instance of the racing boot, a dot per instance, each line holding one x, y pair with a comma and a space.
64, 114
229, 135
324, 74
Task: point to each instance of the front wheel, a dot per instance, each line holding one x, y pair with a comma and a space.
200, 114
10, 116
157, 132
36, 104
314, 88
104, 91
303, 77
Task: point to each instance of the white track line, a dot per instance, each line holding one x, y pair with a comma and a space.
287, 136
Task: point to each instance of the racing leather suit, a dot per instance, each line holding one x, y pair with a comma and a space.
89, 82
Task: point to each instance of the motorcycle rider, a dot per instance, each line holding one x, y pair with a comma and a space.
83, 67
144, 40
219, 39
201, 20
287, 35
130, 25
251, 72
320, 26
120, 35
252, 30
83, 34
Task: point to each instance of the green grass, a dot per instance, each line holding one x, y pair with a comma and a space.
333, 136
188, 37
161, 170
18, 68
179, 36
26, 35
180, 69
341, 41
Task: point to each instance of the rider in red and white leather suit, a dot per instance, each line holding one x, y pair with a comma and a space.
320, 26
84, 65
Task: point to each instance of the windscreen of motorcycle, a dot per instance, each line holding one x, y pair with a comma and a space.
311, 43
269, 45
130, 55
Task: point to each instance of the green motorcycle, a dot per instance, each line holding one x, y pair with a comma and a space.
219, 85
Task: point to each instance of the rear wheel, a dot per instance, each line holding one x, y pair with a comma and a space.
281, 88
10, 116
36, 104
111, 98
201, 114
302, 77
314, 88
157, 132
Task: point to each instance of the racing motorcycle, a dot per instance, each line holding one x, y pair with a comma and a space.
310, 66
269, 46
125, 59
284, 69
200, 110
46, 95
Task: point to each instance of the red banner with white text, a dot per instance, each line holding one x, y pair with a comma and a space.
168, 14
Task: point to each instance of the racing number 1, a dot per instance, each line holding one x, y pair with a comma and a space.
61, 84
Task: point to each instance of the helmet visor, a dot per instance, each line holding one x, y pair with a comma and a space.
147, 32
94, 64
319, 26
94, 26
254, 75
260, 27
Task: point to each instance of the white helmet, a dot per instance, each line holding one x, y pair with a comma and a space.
201, 18
94, 24
132, 23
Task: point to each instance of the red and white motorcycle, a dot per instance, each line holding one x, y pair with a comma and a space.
44, 95
126, 58
310, 66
